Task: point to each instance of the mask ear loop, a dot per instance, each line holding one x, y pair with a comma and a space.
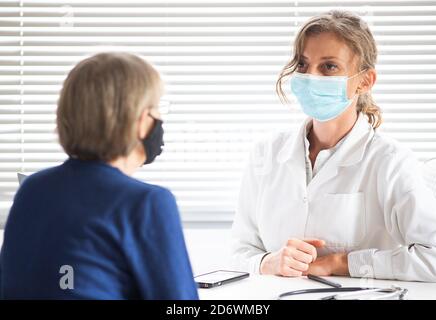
364, 70
356, 94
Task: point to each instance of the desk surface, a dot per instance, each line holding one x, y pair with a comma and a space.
261, 287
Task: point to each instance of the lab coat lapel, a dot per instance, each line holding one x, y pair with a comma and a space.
349, 153
327, 172
292, 154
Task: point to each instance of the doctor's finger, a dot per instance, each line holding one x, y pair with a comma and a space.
302, 256
303, 246
289, 272
296, 265
318, 243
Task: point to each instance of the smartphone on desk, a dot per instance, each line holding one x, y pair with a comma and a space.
218, 278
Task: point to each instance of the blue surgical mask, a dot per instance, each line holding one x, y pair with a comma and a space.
321, 97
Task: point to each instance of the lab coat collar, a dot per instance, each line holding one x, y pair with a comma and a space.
350, 152
293, 145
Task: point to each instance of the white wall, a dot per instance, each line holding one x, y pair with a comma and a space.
208, 249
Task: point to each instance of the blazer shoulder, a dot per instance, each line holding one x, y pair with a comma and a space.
147, 190
37, 180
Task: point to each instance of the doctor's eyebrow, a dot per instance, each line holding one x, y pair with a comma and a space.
303, 57
330, 57
334, 58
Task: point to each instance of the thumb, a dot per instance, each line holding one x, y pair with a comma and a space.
317, 243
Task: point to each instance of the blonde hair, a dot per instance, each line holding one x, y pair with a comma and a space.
355, 33
101, 102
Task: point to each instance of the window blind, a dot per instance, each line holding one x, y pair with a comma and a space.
220, 61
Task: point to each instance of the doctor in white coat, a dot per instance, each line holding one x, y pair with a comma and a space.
338, 197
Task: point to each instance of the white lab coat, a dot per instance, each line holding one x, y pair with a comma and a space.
369, 199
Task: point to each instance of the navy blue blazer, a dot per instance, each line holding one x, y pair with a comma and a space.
85, 230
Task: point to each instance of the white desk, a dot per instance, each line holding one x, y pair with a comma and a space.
209, 250
260, 287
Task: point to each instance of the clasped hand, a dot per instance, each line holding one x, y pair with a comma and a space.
299, 257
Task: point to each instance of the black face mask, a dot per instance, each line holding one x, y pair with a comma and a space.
153, 142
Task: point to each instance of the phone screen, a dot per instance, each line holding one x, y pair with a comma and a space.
219, 276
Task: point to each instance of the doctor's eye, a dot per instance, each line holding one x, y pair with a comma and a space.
301, 66
330, 67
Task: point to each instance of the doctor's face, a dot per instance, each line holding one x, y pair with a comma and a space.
327, 55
